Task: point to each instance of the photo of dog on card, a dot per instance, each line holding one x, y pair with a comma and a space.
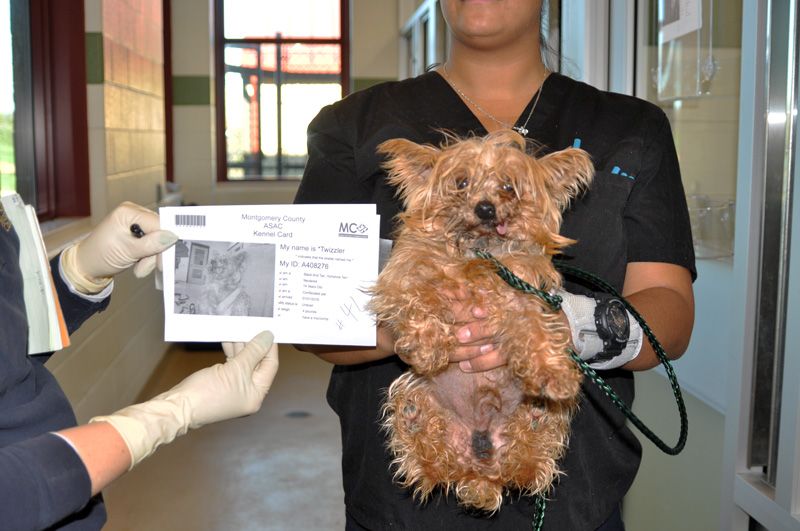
224, 278
484, 434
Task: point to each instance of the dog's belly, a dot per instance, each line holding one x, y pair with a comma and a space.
479, 407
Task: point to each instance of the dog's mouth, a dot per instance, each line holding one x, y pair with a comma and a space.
491, 228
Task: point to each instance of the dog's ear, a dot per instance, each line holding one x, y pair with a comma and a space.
570, 172
407, 163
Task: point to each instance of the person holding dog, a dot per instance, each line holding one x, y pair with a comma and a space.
632, 230
51, 470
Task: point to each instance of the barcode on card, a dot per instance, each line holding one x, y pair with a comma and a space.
190, 220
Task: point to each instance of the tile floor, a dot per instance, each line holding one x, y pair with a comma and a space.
275, 470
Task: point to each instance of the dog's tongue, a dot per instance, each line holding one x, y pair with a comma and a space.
501, 228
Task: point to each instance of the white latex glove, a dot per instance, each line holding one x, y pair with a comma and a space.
111, 248
220, 392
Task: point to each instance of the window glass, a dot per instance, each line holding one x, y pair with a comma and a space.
8, 172
279, 71
690, 68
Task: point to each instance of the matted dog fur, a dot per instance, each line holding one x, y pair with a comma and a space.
481, 434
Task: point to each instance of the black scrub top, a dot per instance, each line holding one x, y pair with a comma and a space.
634, 211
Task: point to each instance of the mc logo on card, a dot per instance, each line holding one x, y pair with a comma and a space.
352, 230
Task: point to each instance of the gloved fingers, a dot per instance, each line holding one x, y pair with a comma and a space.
128, 213
266, 370
232, 349
144, 267
254, 351
154, 243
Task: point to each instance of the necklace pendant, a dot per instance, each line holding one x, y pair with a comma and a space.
521, 130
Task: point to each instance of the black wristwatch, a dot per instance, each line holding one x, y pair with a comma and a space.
613, 326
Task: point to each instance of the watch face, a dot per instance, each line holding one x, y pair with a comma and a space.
618, 320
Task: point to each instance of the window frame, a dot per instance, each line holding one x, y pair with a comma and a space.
60, 123
219, 82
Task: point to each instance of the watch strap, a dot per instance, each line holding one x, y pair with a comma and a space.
587, 342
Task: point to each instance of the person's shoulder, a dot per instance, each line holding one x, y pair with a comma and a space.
386, 94
385, 109
621, 106
607, 119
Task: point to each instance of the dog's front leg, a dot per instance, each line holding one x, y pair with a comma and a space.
420, 320
539, 356
425, 338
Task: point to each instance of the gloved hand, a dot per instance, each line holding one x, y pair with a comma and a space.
223, 391
111, 248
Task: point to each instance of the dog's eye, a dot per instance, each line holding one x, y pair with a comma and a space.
462, 184
507, 187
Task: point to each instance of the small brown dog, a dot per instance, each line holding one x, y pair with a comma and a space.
224, 293
478, 434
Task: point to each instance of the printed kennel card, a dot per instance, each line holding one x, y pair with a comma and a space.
300, 271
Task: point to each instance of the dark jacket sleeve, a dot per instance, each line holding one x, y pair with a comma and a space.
76, 309
42, 481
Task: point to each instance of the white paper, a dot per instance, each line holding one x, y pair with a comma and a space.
679, 17
46, 327
301, 271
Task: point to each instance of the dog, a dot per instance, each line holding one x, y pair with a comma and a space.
223, 293
478, 435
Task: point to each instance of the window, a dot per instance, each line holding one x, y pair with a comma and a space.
44, 152
278, 64
15, 66
424, 39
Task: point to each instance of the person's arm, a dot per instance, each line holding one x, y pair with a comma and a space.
42, 481
343, 355
45, 479
102, 451
663, 295
83, 272
111, 248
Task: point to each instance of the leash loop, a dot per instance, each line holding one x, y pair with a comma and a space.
554, 301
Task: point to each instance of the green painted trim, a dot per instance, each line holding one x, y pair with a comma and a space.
360, 83
95, 66
191, 90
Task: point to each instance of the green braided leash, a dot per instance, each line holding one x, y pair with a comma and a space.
555, 303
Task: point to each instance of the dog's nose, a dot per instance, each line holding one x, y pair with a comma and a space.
485, 210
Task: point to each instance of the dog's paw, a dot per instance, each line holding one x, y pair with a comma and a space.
426, 362
557, 387
554, 381
427, 353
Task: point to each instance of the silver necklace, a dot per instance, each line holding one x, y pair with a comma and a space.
521, 129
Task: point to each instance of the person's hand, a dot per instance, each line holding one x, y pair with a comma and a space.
477, 351
111, 248
224, 391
